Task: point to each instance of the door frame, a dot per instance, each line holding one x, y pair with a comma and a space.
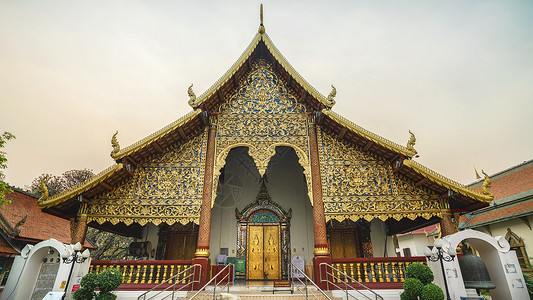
263, 202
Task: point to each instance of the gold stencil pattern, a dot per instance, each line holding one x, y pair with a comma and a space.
163, 189
261, 115
360, 185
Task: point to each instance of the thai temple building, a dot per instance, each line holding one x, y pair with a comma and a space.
260, 171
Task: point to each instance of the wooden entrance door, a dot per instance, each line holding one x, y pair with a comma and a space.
264, 255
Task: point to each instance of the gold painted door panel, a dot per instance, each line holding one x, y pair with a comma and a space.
264, 256
255, 253
271, 252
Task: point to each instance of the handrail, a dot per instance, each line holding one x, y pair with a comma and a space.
346, 285
173, 286
216, 284
307, 279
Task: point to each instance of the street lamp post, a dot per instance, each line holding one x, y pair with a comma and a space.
440, 255
73, 256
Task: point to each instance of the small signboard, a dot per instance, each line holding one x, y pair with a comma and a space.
76, 284
240, 265
298, 262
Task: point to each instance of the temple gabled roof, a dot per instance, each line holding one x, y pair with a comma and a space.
176, 133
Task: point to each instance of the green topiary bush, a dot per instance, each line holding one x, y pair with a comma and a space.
432, 292
108, 280
84, 294
406, 296
89, 281
412, 288
420, 272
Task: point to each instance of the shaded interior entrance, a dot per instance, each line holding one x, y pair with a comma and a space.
181, 242
348, 239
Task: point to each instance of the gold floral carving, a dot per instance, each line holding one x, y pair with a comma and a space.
261, 115
360, 185
164, 189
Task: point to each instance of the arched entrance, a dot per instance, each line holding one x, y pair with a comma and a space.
263, 238
502, 264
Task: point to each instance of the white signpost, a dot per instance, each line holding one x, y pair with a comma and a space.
298, 262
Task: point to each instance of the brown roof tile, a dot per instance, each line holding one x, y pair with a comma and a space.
510, 184
39, 225
500, 213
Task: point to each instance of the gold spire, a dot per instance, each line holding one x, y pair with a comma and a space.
261, 27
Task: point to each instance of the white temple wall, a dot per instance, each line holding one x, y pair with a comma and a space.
416, 242
150, 233
518, 226
382, 245
286, 186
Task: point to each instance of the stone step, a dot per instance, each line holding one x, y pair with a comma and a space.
247, 295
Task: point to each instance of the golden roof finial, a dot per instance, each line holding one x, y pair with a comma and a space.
477, 174
261, 27
411, 143
330, 101
43, 189
114, 144
485, 186
192, 97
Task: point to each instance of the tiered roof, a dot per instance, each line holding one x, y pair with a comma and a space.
461, 197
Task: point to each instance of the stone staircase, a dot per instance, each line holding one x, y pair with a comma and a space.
263, 291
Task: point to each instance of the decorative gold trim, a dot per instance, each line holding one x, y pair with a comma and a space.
397, 215
156, 135
80, 188
446, 182
368, 135
321, 251
201, 253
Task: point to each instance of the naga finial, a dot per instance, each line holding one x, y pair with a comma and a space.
43, 189
477, 174
411, 143
261, 27
485, 186
114, 144
192, 96
330, 101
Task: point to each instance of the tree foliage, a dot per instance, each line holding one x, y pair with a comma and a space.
4, 137
57, 184
108, 245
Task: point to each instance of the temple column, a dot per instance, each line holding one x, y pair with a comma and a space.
446, 224
204, 231
321, 250
78, 225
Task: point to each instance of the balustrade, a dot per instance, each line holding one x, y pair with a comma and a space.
374, 270
149, 272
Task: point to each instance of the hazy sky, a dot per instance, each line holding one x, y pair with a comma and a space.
459, 74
